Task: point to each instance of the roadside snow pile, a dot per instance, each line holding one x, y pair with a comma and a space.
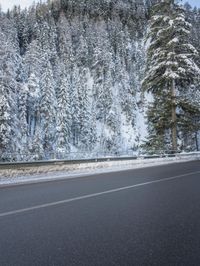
64, 171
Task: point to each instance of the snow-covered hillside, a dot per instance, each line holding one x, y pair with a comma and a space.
73, 79
70, 79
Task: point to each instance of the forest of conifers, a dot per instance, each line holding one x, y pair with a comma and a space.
70, 82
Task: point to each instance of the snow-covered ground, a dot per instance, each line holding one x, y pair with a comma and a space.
62, 171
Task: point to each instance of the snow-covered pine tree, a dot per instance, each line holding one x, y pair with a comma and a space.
5, 127
33, 59
102, 68
23, 94
48, 106
113, 141
75, 105
87, 125
170, 67
65, 49
33, 98
9, 65
35, 147
63, 117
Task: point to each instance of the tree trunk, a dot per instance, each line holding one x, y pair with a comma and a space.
174, 118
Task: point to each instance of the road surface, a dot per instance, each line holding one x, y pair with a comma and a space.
139, 217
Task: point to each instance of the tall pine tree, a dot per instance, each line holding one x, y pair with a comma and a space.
170, 69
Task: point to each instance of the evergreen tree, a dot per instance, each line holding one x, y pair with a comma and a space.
9, 88
35, 146
23, 94
75, 106
48, 107
33, 59
170, 64
33, 98
63, 117
65, 49
87, 125
5, 127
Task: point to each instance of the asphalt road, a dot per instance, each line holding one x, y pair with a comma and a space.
138, 217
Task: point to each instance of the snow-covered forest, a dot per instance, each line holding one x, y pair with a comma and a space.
71, 77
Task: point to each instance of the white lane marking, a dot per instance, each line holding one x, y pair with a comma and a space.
92, 195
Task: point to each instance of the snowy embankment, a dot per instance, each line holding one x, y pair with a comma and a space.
27, 174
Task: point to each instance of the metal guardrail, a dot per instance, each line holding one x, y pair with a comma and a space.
84, 155
4, 165
60, 162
